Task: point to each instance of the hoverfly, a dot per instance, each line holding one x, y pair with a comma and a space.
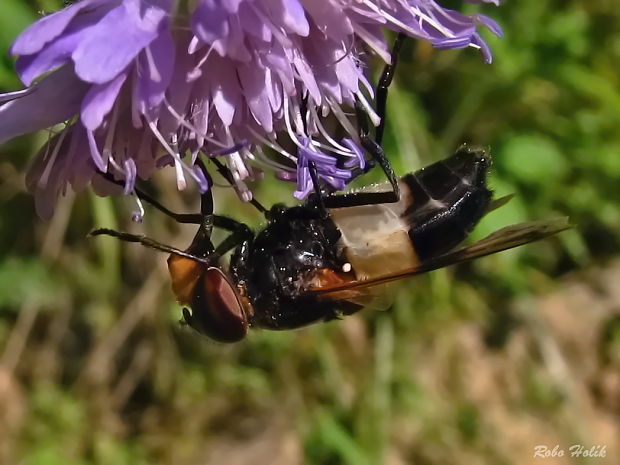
330, 256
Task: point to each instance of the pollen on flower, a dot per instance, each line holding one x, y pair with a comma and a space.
140, 86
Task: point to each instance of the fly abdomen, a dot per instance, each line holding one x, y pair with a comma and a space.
448, 198
438, 207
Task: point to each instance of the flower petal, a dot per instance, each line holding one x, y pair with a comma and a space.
8, 96
54, 55
253, 80
53, 100
99, 101
225, 90
117, 40
155, 68
329, 19
210, 21
290, 14
50, 27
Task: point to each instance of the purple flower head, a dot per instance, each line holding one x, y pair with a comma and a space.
140, 84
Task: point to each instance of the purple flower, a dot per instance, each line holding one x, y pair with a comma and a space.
139, 84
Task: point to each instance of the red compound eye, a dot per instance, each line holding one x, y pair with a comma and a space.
217, 310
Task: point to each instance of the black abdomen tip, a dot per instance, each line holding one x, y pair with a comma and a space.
449, 198
470, 163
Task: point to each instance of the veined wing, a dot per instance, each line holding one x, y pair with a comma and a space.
503, 239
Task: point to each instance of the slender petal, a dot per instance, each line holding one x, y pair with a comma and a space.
55, 99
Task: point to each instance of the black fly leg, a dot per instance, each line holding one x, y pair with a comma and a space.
376, 152
373, 146
381, 92
185, 218
318, 193
147, 242
206, 200
355, 199
201, 248
240, 233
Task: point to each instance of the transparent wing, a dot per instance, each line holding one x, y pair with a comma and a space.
503, 239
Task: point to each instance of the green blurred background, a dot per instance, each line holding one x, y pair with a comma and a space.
475, 364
